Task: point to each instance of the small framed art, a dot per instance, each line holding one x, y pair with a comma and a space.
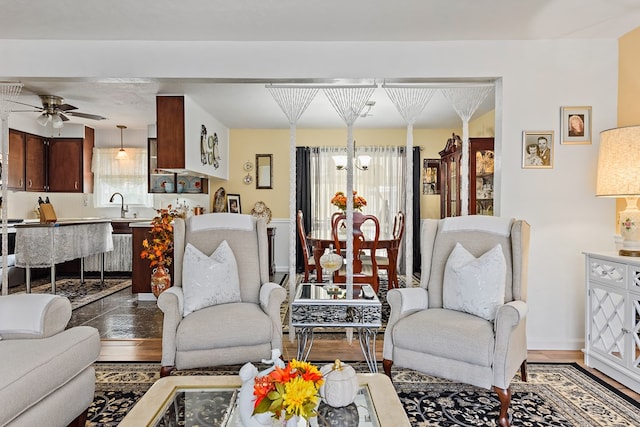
233, 203
537, 149
575, 127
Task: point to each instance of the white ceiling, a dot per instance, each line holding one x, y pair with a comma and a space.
249, 105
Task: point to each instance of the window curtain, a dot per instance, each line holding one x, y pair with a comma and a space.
128, 177
382, 185
303, 197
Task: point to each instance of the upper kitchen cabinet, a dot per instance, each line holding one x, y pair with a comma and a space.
189, 139
17, 158
55, 164
35, 163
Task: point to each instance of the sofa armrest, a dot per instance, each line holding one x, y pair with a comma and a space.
402, 302
271, 297
33, 315
170, 302
511, 341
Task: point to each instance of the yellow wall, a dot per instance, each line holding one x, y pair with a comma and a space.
628, 87
246, 143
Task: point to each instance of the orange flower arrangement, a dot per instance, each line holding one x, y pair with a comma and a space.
159, 246
340, 201
288, 392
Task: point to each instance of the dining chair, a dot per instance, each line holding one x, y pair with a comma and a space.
309, 260
363, 272
389, 263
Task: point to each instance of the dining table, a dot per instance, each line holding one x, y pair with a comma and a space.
320, 239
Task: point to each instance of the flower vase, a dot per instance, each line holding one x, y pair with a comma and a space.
160, 280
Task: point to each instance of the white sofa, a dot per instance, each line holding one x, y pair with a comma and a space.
46, 375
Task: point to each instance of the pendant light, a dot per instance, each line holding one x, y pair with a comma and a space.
122, 155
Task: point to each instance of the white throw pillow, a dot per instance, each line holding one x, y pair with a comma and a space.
209, 280
475, 285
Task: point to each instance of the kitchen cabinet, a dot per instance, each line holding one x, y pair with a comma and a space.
481, 170
35, 163
54, 165
612, 335
170, 132
16, 162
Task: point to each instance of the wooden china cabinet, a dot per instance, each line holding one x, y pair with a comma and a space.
481, 167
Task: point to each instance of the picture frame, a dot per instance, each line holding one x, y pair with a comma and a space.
542, 143
233, 203
575, 125
430, 176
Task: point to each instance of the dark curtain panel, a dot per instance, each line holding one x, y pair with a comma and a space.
303, 197
416, 209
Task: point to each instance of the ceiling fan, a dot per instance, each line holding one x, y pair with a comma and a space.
55, 111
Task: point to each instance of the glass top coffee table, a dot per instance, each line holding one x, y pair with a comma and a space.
212, 401
317, 305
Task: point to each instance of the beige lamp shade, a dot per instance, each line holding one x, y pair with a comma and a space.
619, 163
619, 176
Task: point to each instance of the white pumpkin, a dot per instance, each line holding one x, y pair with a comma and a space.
340, 384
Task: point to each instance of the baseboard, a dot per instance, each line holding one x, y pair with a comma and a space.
555, 344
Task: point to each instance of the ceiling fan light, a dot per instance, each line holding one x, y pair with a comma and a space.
43, 119
56, 121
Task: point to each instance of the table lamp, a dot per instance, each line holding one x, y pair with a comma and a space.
619, 176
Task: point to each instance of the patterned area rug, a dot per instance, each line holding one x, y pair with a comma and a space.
382, 296
555, 395
80, 294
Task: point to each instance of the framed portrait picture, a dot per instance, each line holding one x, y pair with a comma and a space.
430, 176
233, 203
537, 149
575, 125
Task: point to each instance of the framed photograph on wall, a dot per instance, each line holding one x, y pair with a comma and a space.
575, 127
233, 203
430, 176
537, 149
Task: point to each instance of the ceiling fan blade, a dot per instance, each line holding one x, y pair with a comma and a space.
66, 107
85, 115
28, 105
62, 116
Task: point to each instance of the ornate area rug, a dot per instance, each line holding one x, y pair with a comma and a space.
382, 296
80, 294
555, 395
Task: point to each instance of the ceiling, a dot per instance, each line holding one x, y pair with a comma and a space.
241, 104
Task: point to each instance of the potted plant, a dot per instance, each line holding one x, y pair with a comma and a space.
158, 248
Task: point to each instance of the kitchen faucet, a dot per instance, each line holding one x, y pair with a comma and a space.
123, 210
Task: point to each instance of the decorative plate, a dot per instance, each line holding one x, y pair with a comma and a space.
194, 185
260, 210
247, 166
248, 179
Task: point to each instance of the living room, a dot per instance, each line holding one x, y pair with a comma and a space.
536, 78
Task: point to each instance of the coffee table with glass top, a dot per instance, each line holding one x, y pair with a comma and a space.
212, 401
326, 305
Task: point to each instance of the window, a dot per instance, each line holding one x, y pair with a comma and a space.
128, 177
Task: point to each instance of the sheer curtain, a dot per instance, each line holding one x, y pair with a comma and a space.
382, 185
128, 177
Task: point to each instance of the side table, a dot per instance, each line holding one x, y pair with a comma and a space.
316, 306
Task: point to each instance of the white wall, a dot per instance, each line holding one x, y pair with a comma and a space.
538, 77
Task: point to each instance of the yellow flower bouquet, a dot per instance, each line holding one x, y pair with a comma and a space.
289, 391
339, 200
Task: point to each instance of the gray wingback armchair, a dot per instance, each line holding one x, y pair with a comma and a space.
424, 336
231, 333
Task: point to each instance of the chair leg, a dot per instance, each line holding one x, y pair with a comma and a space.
165, 371
386, 366
80, 420
505, 400
523, 371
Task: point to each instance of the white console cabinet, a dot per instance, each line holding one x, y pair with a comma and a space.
612, 337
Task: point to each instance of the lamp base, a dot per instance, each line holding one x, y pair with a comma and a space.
629, 252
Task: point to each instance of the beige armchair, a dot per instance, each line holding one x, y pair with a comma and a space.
423, 335
229, 333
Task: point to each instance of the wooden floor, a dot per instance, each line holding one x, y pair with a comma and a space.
150, 350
